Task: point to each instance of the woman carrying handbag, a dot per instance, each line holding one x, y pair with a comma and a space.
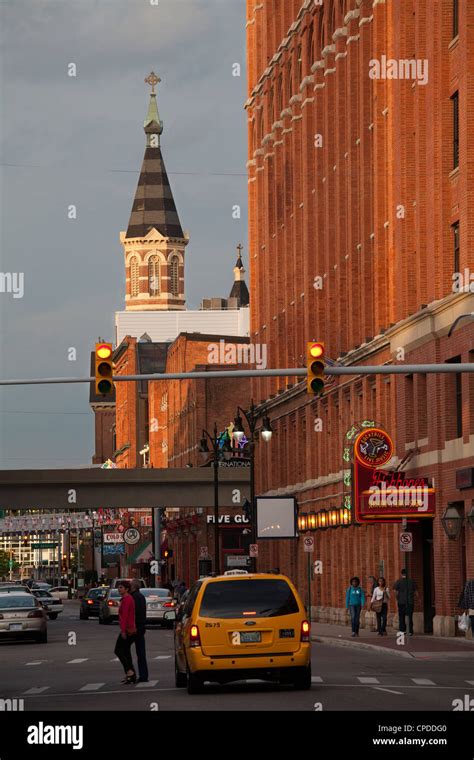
379, 605
127, 633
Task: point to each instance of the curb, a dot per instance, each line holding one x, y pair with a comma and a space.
360, 645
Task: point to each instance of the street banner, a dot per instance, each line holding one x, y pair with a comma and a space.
385, 496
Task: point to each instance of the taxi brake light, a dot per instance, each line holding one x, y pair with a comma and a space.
250, 612
194, 636
305, 631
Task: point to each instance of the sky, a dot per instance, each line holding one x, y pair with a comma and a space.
79, 140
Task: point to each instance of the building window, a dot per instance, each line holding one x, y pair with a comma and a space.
154, 276
134, 277
455, 18
454, 389
310, 47
299, 63
456, 246
289, 82
455, 101
174, 276
279, 99
271, 107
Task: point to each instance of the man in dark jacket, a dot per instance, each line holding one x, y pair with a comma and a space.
140, 622
406, 591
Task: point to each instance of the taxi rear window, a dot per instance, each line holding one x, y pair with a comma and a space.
249, 598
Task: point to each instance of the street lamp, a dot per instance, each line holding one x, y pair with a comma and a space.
238, 433
452, 521
204, 451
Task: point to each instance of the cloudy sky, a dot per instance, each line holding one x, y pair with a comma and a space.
79, 140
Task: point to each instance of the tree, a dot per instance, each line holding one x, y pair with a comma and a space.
5, 563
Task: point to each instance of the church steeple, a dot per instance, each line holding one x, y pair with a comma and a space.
155, 271
239, 288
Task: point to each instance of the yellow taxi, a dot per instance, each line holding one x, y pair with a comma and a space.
242, 625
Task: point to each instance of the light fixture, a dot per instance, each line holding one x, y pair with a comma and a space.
470, 517
452, 521
267, 429
324, 519
333, 518
312, 520
303, 521
238, 431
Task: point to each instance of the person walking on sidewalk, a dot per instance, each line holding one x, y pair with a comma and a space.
379, 605
127, 633
140, 622
355, 600
467, 602
405, 590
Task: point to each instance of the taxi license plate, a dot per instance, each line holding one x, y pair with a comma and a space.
250, 637
15, 626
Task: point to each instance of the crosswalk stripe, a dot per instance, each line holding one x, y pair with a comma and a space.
36, 690
367, 679
74, 662
114, 659
163, 657
392, 691
146, 684
38, 662
423, 682
316, 679
471, 683
91, 686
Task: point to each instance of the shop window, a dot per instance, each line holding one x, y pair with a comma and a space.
455, 102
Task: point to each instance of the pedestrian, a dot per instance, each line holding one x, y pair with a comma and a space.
379, 605
406, 591
355, 599
180, 590
127, 633
140, 622
467, 602
373, 583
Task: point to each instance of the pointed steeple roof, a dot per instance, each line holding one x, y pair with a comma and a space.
239, 288
154, 204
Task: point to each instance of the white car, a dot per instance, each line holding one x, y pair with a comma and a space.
60, 592
158, 601
51, 604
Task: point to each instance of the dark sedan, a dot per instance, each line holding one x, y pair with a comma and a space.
91, 602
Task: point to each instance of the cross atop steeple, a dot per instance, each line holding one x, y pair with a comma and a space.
152, 79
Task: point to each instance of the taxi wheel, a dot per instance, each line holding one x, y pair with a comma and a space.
302, 679
180, 679
195, 683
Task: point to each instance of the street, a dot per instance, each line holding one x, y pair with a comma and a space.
85, 676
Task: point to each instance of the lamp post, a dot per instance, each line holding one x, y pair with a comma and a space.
452, 521
216, 443
238, 433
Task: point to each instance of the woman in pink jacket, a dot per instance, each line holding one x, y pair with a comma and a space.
127, 632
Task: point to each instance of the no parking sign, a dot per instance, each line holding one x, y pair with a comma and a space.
406, 542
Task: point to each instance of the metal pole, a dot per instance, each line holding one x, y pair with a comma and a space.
309, 586
156, 519
377, 369
253, 511
216, 504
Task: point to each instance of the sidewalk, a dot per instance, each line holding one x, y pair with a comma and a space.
417, 646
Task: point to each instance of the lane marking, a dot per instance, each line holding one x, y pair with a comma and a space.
74, 662
423, 682
146, 685
367, 679
163, 657
316, 679
91, 686
37, 689
470, 682
115, 659
38, 662
382, 688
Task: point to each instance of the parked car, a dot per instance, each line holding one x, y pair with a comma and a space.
91, 602
116, 581
158, 601
242, 625
61, 592
51, 604
109, 607
8, 587
22, 616
40, 585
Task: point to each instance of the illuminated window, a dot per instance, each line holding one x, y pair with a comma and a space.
134, 277
154, 276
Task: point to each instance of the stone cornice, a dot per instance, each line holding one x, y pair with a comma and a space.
351, 16
306, 81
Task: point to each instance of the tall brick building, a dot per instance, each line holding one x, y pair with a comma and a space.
360, 200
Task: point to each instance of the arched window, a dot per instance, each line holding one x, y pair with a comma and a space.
289, 81
174, 276
271, 112
134, 277
310, 47
279, 98
154, 276
299, 64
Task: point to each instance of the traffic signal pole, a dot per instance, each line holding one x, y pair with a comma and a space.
384, 369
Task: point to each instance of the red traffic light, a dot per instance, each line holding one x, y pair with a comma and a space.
316, 350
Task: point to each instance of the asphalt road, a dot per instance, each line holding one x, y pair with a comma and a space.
77, 670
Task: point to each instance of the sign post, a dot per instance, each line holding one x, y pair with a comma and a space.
308, 544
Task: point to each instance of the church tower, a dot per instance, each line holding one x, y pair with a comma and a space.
154, 242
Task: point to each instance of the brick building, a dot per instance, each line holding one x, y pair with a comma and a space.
360, 181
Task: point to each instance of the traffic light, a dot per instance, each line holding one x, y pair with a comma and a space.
167, 553
104, 385
315, 364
